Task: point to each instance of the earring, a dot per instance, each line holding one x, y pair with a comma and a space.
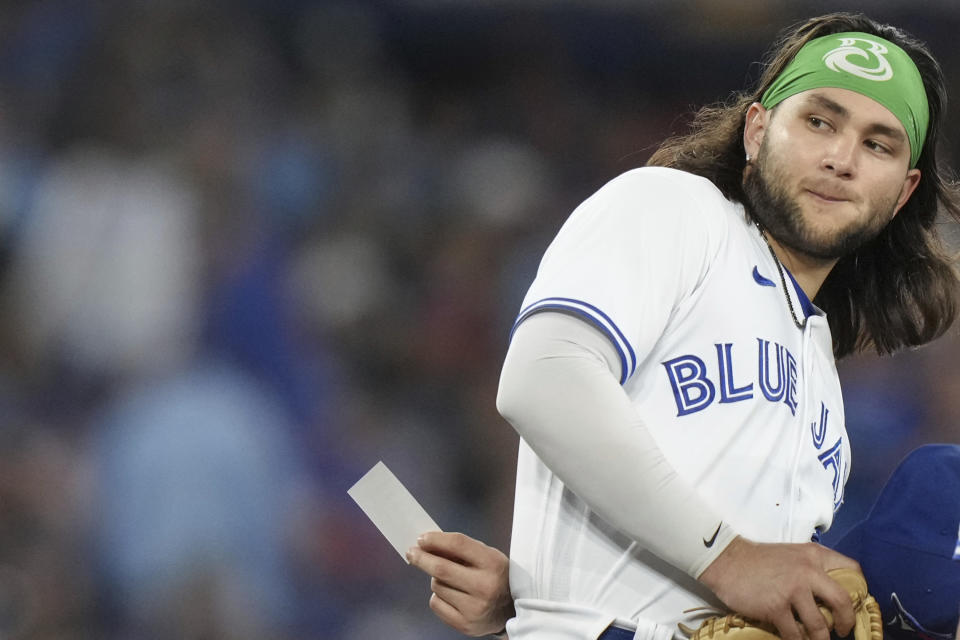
748, 158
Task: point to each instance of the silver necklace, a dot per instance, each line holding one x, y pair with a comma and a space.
783, 279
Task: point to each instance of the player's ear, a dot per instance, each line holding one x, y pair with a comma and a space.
910, 183
755, 126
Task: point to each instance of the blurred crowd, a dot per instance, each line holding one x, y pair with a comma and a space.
248, 249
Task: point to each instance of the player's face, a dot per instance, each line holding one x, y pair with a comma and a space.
831, 171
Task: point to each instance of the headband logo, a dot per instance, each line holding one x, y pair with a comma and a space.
839, 59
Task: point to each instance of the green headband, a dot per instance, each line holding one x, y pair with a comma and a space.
864, 63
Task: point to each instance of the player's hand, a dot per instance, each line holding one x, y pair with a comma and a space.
470, 582
782, 584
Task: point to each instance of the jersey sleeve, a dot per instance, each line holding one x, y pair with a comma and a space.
629, 255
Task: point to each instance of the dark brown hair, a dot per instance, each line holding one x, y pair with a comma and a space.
899, 289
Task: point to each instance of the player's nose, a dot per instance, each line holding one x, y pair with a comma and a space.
840, 156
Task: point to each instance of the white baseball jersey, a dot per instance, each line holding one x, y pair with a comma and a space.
744, 404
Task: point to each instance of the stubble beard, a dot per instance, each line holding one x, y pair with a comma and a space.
769, 204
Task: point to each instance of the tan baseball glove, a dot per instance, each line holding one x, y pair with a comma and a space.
869, 625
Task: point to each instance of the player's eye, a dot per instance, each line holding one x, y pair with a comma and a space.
876, 147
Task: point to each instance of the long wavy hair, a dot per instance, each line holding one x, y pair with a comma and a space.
897, 290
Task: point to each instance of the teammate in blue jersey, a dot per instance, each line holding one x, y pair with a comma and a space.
671, 373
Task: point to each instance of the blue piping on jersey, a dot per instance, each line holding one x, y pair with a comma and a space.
805, 303
615, 335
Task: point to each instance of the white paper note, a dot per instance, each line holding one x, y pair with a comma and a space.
392, 508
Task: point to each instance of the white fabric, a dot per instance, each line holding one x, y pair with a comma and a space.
742, 405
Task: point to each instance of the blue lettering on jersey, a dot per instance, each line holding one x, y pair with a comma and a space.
692, 389
786, 371
791, 398
832, 460
819, 431
771, 392
729, 392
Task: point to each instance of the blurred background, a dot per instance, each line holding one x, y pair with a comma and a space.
250, 248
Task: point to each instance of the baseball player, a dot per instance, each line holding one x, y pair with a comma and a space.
673, 384
904, 546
